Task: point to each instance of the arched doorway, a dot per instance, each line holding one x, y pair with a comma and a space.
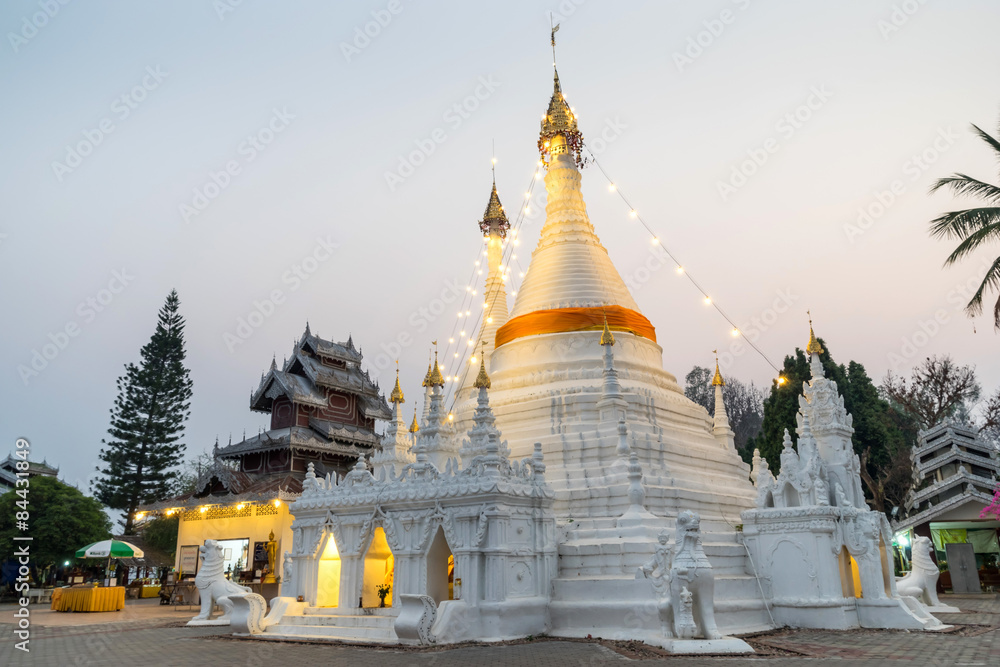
328, 576
379, 567
440, 568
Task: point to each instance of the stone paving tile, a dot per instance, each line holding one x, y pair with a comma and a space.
136, 643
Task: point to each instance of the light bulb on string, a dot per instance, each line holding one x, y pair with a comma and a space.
656, 241
708, 301
612, 187
680, 269
735, 332
633, 213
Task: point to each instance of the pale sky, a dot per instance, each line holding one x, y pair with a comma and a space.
843, 106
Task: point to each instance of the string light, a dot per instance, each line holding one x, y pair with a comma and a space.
612, 186
735, 332
656, 241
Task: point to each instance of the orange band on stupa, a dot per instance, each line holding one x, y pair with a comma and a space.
560, 320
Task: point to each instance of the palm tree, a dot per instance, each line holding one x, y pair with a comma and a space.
976, 227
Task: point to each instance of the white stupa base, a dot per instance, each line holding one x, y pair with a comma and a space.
724, 645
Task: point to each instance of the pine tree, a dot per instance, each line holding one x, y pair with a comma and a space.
147, 422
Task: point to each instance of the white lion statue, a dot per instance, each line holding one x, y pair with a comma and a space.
921, 581
213, 585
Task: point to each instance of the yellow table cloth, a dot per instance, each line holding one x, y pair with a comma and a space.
91, 599
56, 595
149, 591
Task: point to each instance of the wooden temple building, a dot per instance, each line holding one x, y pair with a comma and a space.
323, 409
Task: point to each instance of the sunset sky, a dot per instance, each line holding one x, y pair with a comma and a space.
782, 151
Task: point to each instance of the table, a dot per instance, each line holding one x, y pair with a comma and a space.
110, 598
149, 591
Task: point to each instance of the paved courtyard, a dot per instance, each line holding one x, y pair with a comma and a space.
147, 634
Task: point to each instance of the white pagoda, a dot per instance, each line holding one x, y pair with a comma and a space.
573, 481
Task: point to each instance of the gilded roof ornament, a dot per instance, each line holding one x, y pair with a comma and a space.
494, 218
482, 380
717, 381
436, 379
427, 377
607, 338
813, 347
559, 121
397, 392
414, 426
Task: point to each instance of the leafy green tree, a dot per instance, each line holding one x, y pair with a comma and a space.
882, 436
61, 521
161, 533
975, 227
147, 422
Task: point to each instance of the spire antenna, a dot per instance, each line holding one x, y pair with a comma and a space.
494, 163
555, 29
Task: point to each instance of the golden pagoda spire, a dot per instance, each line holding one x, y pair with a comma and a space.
414, 426
494, 218
397, 392
430, 368
717, 381
607, 338
559, 132
436, 379
813, 347
482, 380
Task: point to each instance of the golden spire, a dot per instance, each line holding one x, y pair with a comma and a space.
436, 379
559, 121
414, 427
482, 380
717, 381
813, 347
430, 367
397, 392
494, 217
607, 338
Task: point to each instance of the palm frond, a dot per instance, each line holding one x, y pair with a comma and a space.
974, 241
959, 224
961, 184
991, 282
994, 144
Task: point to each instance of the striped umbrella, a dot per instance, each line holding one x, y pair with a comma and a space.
110, 549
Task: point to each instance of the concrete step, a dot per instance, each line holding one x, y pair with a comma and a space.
332, 633
329, 620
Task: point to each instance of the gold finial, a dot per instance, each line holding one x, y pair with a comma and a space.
397, 392
436, 379
813, 347
717, 381
559, 121
482, 380
494, 218
414, 426
607, 338
430, 367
